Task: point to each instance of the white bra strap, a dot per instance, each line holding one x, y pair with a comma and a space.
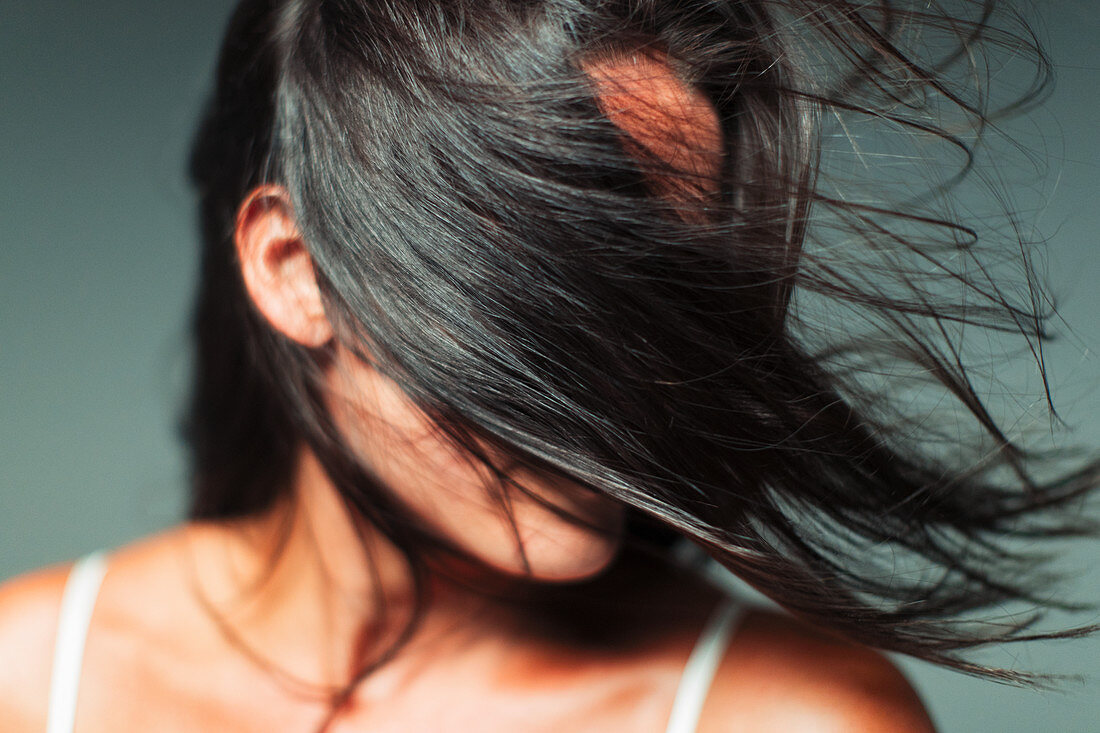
701, 666
77, 603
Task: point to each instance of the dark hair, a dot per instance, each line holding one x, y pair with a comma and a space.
749, 368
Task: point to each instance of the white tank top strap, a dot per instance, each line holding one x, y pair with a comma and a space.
701, 666
77, 604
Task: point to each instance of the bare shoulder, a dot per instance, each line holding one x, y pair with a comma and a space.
29, 606
781, 675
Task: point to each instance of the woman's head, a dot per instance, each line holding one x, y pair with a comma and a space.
537, 260
455, 189
445, 487
556, 528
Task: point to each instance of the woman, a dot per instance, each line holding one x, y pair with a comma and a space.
502, 304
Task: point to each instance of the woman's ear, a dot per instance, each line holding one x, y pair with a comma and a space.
277, 269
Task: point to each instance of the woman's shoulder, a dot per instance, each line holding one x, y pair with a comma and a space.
776, 673
779, 674
30, 608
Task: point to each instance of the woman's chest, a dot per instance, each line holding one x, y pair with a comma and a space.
585, 695
639, 703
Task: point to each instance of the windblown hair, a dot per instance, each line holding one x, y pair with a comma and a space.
765, 357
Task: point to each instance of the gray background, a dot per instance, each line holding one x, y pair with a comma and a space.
97, 258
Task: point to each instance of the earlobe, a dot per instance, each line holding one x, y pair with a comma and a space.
277, 268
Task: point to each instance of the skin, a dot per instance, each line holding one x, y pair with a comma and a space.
198, 629
155, 660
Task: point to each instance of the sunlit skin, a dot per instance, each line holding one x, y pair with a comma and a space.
196, 629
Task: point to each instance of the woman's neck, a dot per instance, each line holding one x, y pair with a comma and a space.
302, 587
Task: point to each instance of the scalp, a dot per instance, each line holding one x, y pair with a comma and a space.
664, 116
